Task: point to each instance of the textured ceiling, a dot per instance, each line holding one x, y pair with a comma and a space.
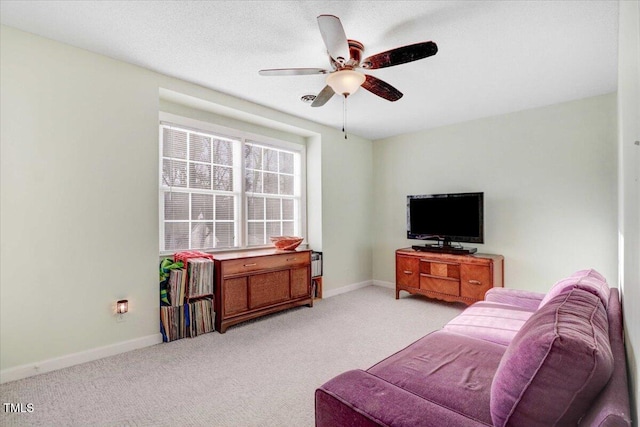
494, 57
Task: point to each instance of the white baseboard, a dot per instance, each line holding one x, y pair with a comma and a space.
345, 289
355, 286
36, 368
384, 284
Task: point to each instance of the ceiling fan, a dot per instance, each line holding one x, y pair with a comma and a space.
345, 58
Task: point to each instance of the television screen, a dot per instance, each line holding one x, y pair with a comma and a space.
448, 217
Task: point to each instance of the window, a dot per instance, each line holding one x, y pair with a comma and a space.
220, 192
270, 183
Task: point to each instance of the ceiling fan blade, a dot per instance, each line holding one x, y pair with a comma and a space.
322, 98
292, 71
334, 37
400, 55
381, 88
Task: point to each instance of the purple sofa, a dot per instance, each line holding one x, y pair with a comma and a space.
515, 359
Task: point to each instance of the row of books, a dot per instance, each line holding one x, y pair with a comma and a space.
176, 287
316, 264
200, 277
202, 317
315, 287
187, 320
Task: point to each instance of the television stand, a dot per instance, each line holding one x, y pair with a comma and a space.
446, 249
448, 277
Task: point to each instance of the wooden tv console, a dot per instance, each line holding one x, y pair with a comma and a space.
448, 277
255, 283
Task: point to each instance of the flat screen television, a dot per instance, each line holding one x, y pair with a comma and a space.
446, 218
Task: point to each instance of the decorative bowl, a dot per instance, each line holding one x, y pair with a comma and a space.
286, 243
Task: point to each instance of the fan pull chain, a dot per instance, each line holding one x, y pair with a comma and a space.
344, 116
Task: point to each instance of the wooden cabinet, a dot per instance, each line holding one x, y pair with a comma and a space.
407, 271
449, 277
255, 283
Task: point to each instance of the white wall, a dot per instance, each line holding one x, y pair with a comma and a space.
549, 178
79, 200
628, 185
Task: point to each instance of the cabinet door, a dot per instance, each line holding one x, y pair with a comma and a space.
475, 280
300, 282
407, 271
268, 288
235, 295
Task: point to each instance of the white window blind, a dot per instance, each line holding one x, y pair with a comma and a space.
222, 192
272, 194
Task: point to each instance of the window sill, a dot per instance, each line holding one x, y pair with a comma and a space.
166, 254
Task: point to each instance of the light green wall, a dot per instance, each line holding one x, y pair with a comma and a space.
78, 199
549, 178
226, 122
347, 212
79, 196
629, 186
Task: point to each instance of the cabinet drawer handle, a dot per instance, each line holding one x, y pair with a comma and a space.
291, 259
251, 265
475, 282
408, 272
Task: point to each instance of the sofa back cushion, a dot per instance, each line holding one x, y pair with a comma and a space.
588, 280
556, 364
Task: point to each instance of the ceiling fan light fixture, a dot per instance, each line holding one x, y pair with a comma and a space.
345, 82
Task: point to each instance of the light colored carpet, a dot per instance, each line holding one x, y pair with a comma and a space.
260, 373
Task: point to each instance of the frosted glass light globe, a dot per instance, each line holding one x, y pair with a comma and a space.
345, 82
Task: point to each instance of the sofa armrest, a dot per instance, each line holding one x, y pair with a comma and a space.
517, 297
358, 399
612, 408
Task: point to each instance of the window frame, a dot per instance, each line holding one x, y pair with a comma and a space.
244, 137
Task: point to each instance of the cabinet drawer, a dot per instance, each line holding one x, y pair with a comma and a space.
440, 268
247, 265
443, 286
407, 271
476, 280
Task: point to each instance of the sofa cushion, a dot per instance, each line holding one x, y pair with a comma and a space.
588, 280
518, 297
556, 364
490, 321
450, 370
359, 399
